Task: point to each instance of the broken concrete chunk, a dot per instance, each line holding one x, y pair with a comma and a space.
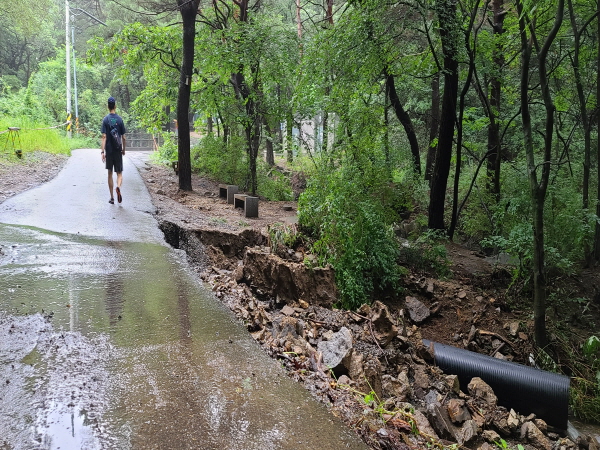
336, 348
417, 311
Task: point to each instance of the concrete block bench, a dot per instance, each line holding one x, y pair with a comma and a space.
228, 191
249, 203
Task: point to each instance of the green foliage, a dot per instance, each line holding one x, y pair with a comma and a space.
272, 184
226, 162
282, 235
351, 233
503, 445
585, 391
167, 152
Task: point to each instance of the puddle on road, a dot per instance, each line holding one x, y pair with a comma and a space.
116, 345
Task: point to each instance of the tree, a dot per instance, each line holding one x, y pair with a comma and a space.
449, 32
538, 183
188, 11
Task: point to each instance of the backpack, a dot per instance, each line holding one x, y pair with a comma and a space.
117, 141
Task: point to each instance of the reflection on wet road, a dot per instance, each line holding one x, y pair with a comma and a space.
113, 343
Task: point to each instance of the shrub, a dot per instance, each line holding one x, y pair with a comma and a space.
352, 231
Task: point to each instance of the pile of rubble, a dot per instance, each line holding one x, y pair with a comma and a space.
371, 367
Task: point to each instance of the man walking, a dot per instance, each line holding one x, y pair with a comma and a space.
113, 148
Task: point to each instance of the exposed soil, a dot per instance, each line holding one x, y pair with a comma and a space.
289, 310
35, 168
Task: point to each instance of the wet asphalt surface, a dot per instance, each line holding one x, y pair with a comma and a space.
109, 341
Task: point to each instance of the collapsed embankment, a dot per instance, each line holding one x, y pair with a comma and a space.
370, 366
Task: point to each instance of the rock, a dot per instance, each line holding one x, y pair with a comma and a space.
327, 335
458, 411
344, 380
480, 389
468, 431
430, 288
284, 326
238, 273
336, 349
453, 383
354, 366
160, 192
417, 311
440, 421
523, 336
486, 446
423, 425
461, 294
399, 388
433, 397
384, 327
490, 436
513, 328
512, 420
303, 304
421, 377
593, 443
287, 310
372, 376
287, 207
535, 437
501, 425
541, 424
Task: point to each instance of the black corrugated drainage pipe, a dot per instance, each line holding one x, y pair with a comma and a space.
525, 389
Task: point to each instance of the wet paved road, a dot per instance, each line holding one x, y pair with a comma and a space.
107, 339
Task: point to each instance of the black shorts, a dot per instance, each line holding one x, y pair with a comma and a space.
114, 161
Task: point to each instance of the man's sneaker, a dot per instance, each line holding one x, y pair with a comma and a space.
119, 197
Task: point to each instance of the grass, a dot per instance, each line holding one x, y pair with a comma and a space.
34, 137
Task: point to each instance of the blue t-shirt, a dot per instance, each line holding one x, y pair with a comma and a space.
108, 121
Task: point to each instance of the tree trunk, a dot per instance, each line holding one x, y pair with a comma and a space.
404, 119
188, 10
494, 159
461, 112
290, 137
597, 230
209, 125
270, 157
434, 125
446, 11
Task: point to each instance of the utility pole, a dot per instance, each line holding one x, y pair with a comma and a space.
68, 55
75, 80
69, 46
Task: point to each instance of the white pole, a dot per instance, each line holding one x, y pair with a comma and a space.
75, 79
68, 54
